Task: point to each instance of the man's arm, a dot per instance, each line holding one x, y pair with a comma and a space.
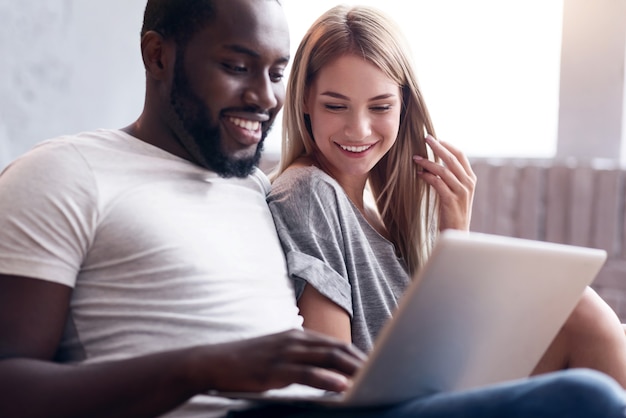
32, 318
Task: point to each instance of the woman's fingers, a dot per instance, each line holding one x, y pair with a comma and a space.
455, 169
454, 181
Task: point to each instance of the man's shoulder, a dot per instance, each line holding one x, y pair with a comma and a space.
66, 161
70, 144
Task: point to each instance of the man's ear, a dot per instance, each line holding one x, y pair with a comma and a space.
158, 55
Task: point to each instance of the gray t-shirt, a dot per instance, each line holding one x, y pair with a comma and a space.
331, 246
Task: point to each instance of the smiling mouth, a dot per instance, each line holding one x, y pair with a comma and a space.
250, 125
355, 149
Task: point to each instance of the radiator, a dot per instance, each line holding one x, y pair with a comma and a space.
569, 202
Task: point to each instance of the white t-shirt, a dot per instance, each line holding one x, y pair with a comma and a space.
161, 253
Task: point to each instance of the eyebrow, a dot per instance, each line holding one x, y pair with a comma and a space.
336, 95
240, 49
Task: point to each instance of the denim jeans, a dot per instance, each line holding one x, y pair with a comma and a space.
574, 393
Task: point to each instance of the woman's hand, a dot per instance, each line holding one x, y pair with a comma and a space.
453, 180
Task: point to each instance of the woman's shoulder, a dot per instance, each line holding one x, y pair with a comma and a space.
303, 176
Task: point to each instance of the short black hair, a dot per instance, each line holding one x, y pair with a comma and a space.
177, 20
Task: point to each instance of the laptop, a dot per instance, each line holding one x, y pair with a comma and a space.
482, 310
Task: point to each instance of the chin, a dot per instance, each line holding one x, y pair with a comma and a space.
242, 155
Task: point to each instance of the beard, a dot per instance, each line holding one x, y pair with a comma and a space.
200, 136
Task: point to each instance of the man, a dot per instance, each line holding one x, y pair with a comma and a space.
140, 268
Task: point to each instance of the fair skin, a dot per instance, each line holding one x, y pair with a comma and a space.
355, 117
354, 110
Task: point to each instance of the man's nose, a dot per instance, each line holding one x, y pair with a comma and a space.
261, 93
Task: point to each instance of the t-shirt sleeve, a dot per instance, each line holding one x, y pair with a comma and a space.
46, 214
307, 220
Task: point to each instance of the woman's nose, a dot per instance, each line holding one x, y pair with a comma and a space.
358, 126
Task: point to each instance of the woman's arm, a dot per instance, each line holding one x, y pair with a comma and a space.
323, 315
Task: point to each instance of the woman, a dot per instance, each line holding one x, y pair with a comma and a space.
356, 126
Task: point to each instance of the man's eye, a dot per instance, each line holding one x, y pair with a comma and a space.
235, 68
276, 77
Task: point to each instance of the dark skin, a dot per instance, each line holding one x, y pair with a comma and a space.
33, 311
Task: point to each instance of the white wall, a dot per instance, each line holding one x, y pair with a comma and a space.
67, 66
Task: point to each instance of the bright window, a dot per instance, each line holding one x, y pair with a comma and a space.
489, 69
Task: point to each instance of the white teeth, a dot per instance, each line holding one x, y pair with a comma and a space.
355, 149
250, 125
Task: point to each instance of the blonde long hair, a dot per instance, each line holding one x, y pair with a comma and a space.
406, 204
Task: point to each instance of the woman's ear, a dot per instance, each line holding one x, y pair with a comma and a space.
157, 55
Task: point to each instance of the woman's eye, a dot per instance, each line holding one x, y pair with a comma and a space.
381, 108
334, 107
